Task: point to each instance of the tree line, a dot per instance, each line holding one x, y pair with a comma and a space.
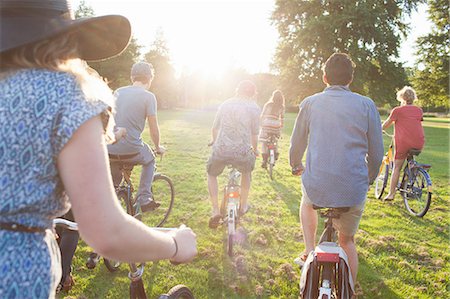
310, 31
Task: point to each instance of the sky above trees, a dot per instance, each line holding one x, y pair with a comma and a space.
215, 35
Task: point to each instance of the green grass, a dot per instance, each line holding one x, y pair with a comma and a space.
400, 256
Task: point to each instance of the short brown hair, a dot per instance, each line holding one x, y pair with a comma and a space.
338, 69
246, 88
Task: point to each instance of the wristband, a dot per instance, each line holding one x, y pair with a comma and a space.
176, 247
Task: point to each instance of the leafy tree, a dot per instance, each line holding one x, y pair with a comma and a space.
115, 70
432, 80
164, 84
84, 10
369, 30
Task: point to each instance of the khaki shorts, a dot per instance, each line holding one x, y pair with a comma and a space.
215, 165
348, 222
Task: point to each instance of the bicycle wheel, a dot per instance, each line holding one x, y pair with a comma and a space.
231, 231
230, 240
137, 290
416, 192
179, 292
312, 281
381, 181
271, 163
164, 194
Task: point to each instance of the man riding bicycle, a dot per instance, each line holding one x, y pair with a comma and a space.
134, 106
234, 138
343, 130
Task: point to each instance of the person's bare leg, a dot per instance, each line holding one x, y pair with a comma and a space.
246, 179
348, 244
398, 163
308, 219
213, 188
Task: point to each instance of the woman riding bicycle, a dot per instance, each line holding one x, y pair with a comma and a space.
272, 118
408, 132
54, 111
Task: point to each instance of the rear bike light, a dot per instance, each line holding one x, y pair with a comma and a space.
327, 257
233, 194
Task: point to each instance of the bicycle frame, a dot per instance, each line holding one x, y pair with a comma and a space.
329, 260
410, 172
272, 147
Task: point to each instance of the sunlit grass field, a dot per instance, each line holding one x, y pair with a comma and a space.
400, 256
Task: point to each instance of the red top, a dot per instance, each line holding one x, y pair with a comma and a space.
408, 128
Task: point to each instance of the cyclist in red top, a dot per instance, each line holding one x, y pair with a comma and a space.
408, 132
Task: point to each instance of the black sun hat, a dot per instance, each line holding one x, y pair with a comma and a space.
23, 22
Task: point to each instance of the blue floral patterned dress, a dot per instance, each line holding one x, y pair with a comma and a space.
39, 112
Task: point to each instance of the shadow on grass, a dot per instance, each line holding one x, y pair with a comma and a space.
374, 282
291, 197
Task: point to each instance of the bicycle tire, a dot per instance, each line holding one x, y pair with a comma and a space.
164, 194
312, 282
137, 290
271, 163
413, 194
381, 181
230, 240
180, 292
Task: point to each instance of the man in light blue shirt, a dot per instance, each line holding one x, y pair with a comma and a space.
135, 106
342, 131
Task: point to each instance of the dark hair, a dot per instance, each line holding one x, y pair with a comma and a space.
246, 88
338, 69
278, 100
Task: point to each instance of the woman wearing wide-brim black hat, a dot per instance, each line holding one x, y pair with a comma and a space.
52, 147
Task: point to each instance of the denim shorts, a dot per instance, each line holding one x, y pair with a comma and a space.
348, 222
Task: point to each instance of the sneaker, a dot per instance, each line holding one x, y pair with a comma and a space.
92, 260
150, 206
300, 260
68, 283
264, 165
214, 221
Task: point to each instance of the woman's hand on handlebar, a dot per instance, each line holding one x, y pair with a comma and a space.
186, 244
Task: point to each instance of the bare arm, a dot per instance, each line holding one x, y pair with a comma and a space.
214, 133
375, 146
154, 131
84, 169
255, 144
299, 138
387, 123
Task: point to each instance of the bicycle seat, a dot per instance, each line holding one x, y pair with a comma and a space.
414, 152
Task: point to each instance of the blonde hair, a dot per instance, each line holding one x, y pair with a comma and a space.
406, 94
59, 53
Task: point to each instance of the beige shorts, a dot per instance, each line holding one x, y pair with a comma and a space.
348, 222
